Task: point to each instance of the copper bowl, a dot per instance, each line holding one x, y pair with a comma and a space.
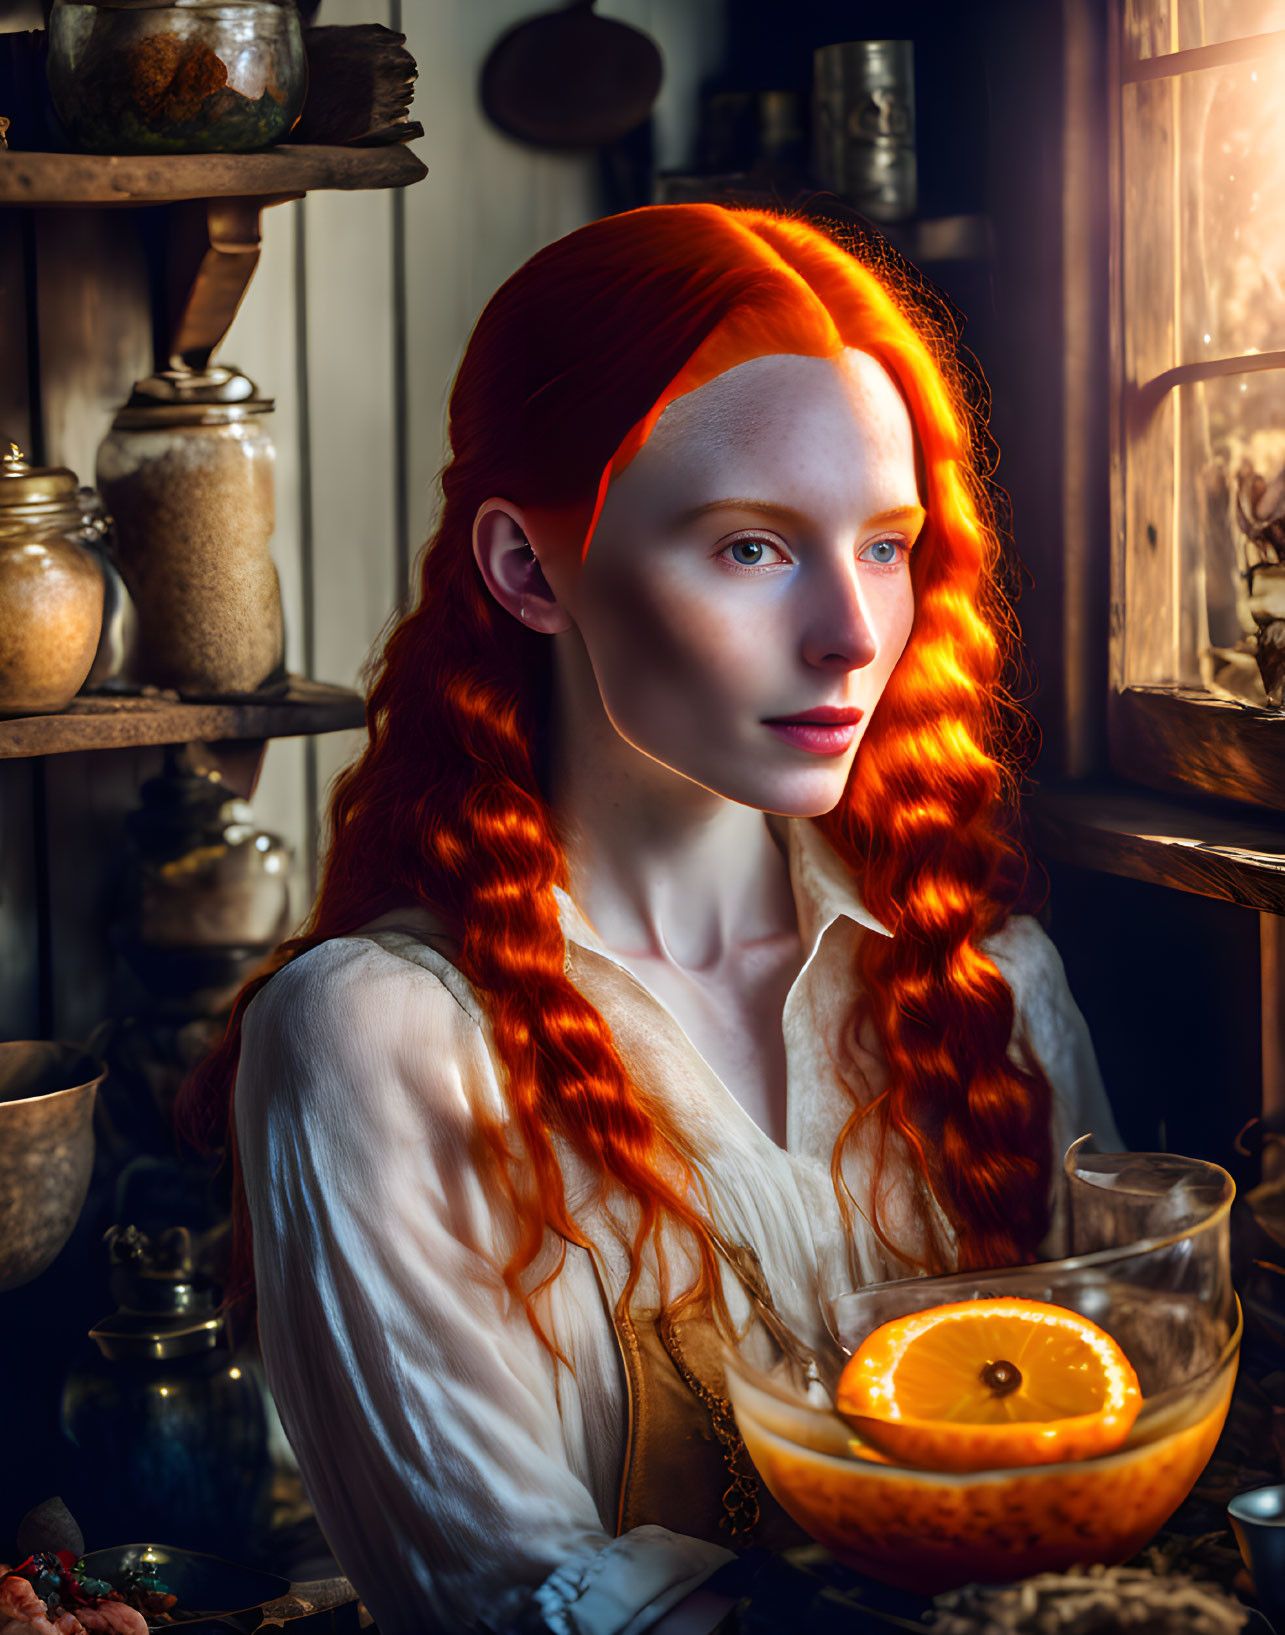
47, 1093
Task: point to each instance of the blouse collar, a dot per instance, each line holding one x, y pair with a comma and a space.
823, 886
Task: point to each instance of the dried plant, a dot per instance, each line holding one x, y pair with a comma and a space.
1260, 511
1090, 1601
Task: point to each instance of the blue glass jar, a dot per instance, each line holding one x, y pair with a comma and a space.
171, 1428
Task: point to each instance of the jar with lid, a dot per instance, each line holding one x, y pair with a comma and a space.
206, 895
187, 473
176, 76
51, 588
171, 1426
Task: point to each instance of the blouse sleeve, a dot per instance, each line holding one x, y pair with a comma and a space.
443, 1448
1048, 1022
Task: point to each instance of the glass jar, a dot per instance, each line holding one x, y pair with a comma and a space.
51, 589
176, 76
113, 666
207, 893
187, 473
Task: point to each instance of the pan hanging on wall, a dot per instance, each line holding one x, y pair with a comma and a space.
571, 79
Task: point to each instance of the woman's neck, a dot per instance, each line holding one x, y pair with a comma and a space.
661, 867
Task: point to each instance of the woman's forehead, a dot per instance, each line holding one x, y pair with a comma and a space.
762, 392
783, 407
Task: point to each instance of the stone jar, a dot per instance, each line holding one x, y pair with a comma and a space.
51, 589
187, 473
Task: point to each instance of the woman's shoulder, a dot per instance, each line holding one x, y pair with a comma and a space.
365, 1010
342, 979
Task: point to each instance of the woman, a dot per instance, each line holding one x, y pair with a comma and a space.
663, 980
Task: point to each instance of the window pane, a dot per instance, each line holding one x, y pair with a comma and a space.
1233, 453
1213, 22
1151, 651
1149, 229
1232, 160
1153, 28
1150, 28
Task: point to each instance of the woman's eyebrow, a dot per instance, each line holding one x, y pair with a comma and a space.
912, 514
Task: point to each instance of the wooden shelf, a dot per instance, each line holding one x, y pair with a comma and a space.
1183, 738
285, 171
1118, 829
107, 722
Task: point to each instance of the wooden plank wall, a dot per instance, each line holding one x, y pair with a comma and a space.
357, 320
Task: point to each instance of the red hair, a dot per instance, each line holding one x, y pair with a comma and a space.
566, 372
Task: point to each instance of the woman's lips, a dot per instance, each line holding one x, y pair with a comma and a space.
820, 732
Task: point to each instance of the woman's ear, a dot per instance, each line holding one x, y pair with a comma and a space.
513, 576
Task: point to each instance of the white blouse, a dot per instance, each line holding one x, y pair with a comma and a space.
464, 1478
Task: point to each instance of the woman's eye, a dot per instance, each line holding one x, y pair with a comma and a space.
885, 552
753, 553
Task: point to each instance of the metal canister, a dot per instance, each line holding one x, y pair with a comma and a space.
187, 473
863, 125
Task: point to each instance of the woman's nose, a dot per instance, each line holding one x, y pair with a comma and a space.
837, 634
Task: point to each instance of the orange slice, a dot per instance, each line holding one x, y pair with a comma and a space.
990, 1384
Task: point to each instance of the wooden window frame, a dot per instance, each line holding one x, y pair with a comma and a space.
1173, 737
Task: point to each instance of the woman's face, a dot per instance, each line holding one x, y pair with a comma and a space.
747, 592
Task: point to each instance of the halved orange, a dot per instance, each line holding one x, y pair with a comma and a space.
990, 1384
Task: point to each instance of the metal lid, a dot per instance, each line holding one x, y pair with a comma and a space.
191, 397
23, 484
167, 1308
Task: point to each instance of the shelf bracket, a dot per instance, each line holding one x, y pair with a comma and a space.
211, 251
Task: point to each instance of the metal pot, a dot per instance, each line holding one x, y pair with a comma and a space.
47, 1093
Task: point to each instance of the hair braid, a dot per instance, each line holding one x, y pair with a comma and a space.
920, 828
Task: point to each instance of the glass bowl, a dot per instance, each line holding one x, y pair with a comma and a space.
1149, 1262
176, 76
